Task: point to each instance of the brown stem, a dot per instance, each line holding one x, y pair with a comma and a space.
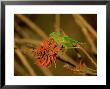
86, 24
80, 21
31, 41
32, 25
85, 52
57, 22
21, 31
24, 61
19, 69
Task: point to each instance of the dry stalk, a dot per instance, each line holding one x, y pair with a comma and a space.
19, 69
57, 22
32, 25
84, 30
85, 52
86, 24
24, 61
31, 41
20, 31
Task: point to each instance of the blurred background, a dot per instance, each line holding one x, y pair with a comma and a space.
31, 29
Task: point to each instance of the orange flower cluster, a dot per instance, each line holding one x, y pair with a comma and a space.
46, 53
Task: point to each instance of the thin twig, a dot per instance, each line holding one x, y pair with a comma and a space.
32, 25
66, 58
83, 71
85, 52
86, 24
84, 30
19, 69
21, 31
93, 47
31, 41
57, 22
24, 61
46, 71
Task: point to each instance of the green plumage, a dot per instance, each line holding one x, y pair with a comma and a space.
66, 41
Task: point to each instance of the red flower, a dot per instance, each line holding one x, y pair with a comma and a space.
46, 54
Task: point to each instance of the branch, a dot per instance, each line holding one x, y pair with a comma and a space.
19, 69
24, 61
32, 25
57, 22
22, 32
83, 24
30, 41
86, 24
85, 52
